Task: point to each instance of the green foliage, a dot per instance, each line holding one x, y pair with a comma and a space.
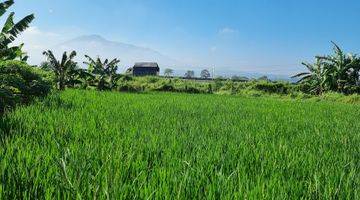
189, 74
66, 71
167, 87
20, 83
205, 74
10, 32
339, 72
168, 72
240, 78
218, 83
282, 90
269, 87
179, 146
151, 83
105, 75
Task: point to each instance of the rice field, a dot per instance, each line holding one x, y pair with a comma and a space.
104, 145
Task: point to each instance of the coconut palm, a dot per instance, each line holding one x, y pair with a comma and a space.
10, 32
64, 69
105, 72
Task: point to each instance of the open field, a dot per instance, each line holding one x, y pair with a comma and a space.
86, 144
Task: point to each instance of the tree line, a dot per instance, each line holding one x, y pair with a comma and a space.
204, 74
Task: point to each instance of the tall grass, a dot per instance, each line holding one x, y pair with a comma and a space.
87, 144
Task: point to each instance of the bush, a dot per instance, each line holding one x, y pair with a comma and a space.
20, 83
352, 90
130, 87
189, 89
269, 87
168, 87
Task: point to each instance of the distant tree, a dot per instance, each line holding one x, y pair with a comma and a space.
10, 32
263, 78
189, 74
220, 77
63, 69
168, 72
239, 78
205, 74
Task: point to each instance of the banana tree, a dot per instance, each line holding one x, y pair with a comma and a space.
314, 77
10, 32
105, 72
337, 72
63, 69
342, 69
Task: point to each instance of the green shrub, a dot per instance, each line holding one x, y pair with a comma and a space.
20, 83
167, 87
218, 83
152, 79
190, 89
352, 90
130, 87
269, 87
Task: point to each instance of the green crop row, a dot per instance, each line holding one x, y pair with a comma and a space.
88, 144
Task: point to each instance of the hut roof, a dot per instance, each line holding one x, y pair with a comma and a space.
146, 64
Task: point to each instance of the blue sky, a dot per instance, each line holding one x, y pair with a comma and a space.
269, 36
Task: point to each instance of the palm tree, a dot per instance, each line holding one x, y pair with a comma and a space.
64, 69
10, 31
105, 73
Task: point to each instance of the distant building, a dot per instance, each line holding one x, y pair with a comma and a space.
146, 69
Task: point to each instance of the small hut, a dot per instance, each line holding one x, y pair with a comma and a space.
146, 69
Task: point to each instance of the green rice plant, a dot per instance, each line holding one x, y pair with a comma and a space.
111, 145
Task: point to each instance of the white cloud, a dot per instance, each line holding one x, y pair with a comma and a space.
35, 31
36, 41
227, 30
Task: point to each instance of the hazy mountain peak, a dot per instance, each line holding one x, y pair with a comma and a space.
96, 45
93, 37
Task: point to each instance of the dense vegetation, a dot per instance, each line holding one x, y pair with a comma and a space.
10, 32
333, 73
179, 146
19, 83
339, 72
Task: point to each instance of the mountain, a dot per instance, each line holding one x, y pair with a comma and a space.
95, 45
